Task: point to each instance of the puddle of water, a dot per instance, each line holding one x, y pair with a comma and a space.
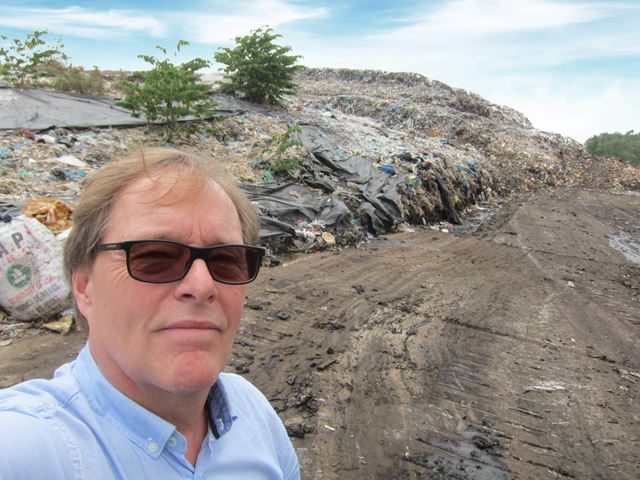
626, 244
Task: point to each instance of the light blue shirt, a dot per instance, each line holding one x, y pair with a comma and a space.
78, 426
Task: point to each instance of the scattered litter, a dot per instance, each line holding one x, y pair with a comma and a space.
54, 214
27, 133
5, 343
328, 238
570, 284
628, 375
546, 387
71, 160
46, 139
330, 428
63, 325
387, 168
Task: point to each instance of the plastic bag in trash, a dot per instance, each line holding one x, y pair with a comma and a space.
31, 277
54, 214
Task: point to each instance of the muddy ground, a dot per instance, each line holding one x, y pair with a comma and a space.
507, 353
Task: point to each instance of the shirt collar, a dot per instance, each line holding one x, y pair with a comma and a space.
221, 415
144, 428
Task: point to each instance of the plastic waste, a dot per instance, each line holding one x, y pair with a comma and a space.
72, 161
62, 325
328, 238
54, 214
388, 168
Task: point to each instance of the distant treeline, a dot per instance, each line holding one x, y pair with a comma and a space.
625, 146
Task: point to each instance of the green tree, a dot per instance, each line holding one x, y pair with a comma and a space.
625, 147
257, 68
170, 92
23, 62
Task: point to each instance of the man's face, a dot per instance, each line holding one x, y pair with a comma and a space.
177, 336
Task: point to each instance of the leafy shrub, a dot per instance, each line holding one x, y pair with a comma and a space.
257, 68
77, 79
282, 160
170, 92
625, 147
23, 62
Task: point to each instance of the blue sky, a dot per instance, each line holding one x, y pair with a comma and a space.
571, 66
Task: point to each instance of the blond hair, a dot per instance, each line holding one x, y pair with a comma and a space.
158, 164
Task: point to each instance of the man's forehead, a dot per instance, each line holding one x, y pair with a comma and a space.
156, 208
172, 188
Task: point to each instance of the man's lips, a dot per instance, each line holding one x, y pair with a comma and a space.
191, 325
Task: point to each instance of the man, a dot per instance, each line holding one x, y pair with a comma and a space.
158, 260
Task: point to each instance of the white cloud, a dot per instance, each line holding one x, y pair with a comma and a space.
468, 18
464, 37
82, 22
238, 18
578, 109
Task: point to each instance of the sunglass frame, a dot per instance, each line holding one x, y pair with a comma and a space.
194, 254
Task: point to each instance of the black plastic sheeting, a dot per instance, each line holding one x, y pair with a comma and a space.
353, 193
280, 215
38, 110
43, 109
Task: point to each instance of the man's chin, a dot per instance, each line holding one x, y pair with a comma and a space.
192, 374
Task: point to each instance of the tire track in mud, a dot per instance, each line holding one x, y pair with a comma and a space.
429, 355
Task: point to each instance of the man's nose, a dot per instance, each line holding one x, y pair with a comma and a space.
198, 284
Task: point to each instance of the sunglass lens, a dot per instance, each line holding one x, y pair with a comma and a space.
157, 261
233, 264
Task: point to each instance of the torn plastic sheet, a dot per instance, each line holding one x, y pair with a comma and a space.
377, 191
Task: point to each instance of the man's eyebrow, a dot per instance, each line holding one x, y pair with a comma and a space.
158, 236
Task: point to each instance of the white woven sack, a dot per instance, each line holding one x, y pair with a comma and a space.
31, 280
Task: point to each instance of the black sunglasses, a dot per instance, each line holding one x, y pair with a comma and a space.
163, 261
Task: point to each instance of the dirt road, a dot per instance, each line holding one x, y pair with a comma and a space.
508, 353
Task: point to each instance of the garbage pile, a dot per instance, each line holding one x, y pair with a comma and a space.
376, 152
521, 157
360, 178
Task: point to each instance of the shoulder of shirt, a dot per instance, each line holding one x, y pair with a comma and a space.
38, 397
32, 443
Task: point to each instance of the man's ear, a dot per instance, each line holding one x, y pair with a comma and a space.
82, 291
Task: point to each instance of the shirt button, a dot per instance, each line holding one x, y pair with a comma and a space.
172, 442
153, 447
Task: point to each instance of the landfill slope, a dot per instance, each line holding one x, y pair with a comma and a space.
518, 156
506, 353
